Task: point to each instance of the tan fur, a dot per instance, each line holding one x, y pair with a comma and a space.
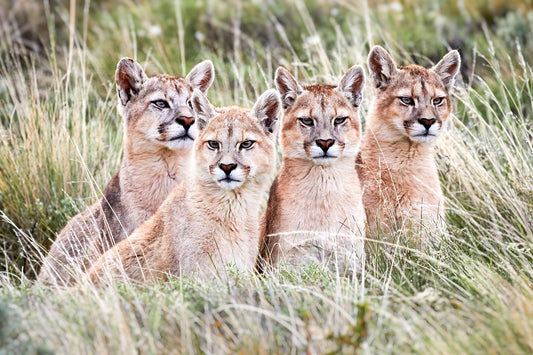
207, 222
315, 210
155, 161
401, 188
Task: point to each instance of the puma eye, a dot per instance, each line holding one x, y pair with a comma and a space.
213, 145
306, 121
438, 100
340, 120
247, 144
407, 100
160, 104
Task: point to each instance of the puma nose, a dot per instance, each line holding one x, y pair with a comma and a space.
227, 168
324, 144
426, 122
186, 122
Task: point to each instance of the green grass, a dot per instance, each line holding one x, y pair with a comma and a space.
60, 137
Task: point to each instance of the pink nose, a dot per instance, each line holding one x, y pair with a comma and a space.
227, 168
186, 122
427, 122
324, 144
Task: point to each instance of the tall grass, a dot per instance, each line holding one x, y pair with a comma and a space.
60, 136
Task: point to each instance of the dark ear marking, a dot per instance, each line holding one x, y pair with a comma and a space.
267, 110
130, 78
351, 85
448, 68
382, 66
202, 76
287, 86
201, 108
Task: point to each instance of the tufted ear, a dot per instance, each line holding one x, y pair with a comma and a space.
351, 84
202, 76
382, 66
202, 108
448, 67
288, 87
130, 78
267, 110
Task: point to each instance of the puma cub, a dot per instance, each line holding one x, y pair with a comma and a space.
315, 212
158, 137
213, 218
410, 109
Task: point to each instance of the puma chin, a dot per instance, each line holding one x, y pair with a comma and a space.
319, 157
232, 181
423, 132
180, 138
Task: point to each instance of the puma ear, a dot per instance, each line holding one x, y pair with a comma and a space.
448, 67
351, 85
202, 76
267, 110
382, 66
130, 78
288, 87
202, 109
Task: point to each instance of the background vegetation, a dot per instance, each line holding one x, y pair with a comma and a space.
60, 138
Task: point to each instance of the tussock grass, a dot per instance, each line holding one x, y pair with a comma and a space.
60, 139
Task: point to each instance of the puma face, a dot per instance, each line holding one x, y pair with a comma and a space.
158, 109
235, 146
413, 101
320, 122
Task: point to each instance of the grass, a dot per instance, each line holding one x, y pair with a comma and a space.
60, 136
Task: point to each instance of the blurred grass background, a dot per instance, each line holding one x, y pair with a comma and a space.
60, 137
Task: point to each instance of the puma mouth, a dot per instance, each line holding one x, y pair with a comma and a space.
427, 136
325, 156
424, 138
228, 179
182, 137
